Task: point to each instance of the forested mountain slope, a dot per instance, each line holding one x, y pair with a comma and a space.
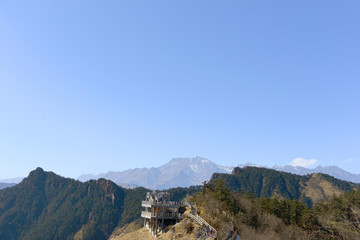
233, 214
268, 219
50, 207
47, 206
268, 183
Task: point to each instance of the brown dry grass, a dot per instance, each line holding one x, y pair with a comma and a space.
317, 188
179, 231
127, 229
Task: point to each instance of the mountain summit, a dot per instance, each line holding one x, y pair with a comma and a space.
179, 172
47, 206
184, 172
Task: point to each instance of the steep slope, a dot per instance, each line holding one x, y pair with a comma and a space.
264, 218
267, 183
184, 230
340, 216
47, 206
179, 172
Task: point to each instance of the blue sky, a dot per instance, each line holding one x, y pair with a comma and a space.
92, 86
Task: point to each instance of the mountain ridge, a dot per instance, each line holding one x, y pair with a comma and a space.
184, 172
268, 183
49, 207
334, 171
179, 172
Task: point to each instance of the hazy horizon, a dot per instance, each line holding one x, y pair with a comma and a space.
90, 86
119, 170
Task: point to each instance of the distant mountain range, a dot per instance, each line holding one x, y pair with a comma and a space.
330, 170
179, 172
5, 185
184, 172
12, 180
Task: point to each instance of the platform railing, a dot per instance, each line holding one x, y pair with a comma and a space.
145, 214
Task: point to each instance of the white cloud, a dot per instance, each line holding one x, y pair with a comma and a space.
350, 160
302, 162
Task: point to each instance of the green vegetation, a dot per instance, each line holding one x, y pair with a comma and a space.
132, 201
264, 218
179, 193
262, 182
267, 183
258, 203
340, 216
46, 206
49, 207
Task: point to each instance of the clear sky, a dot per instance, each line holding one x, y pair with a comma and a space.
92, 86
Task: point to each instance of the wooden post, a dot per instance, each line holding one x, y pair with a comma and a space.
156, 223
162, 221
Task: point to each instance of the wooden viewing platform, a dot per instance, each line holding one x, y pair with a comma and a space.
159, 211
